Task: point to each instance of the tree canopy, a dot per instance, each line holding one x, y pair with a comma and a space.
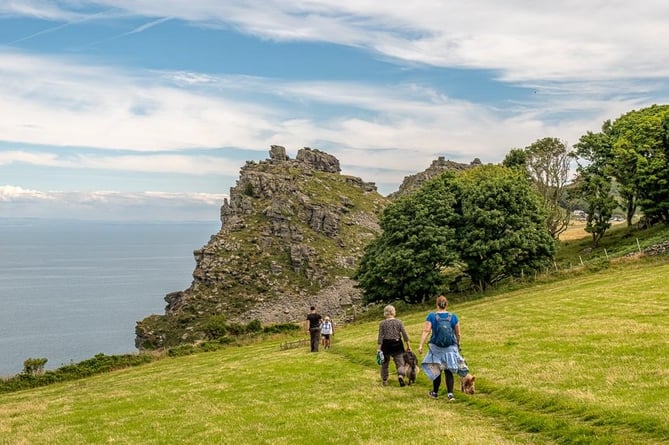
501, 226
640, 158
487, 220
633, 151
404, 262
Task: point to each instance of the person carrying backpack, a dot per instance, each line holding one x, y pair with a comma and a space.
443, 348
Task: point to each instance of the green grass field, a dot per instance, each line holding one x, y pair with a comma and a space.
583, 360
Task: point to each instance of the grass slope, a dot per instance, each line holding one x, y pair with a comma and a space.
582, 360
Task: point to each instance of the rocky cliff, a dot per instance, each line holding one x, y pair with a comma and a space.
291, 235
412, 183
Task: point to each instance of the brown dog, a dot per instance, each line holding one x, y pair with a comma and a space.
411, 368
467, 384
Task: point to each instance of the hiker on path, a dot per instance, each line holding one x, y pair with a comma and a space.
314, 328
391, 334
443, 348
327, 331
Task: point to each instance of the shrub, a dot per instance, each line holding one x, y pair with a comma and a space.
254, 326
281, 328
34, 366
215, 327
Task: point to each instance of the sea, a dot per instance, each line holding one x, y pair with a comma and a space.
72, 289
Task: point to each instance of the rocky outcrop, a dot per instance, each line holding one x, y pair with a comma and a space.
291, 234
413, 182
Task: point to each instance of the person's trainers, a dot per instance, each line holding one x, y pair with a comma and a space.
401, 379
432, 395
451, 397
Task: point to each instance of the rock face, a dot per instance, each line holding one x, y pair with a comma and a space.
414, 182
291, 235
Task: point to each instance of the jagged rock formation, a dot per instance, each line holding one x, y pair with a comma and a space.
291, 235
413, 182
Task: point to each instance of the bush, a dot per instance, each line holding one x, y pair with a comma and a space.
215, 327
254, 326
280, 328
34, 366
181, 350
31, 378
236, 329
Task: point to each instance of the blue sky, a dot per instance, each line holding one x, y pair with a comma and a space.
144, 109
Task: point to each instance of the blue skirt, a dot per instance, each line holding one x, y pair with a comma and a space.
438, 359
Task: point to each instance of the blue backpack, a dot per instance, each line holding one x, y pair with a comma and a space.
444, 335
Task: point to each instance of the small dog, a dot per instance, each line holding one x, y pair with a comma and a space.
468, 384
411, 368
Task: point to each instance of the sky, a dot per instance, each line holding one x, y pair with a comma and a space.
146, 110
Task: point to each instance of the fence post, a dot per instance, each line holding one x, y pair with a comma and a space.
607, 254
638, 245
579, 257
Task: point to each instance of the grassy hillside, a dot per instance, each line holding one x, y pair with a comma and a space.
576, 361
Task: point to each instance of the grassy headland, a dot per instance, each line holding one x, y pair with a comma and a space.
581, 360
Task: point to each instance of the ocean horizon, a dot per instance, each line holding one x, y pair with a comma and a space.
71, 289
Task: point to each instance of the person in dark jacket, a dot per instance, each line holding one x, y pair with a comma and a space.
391, 334
314, 328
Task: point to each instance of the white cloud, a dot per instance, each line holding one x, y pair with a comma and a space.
9, 193
70, 104
112, 110
523, 40
153, 163
19, 202
587, 62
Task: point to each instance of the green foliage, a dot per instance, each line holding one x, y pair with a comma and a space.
634, 151
595, 189
236, 329
181, 350
280, 328
215, 327
485, 223
254, 326
501, 225
34, 366
98, 364
405, 261
516, 158
640, 154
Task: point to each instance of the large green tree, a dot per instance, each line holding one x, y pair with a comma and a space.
593, 184
487, 222
501, 226
640, 159
416, 242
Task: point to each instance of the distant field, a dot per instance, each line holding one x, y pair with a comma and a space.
579, 361
576, 230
